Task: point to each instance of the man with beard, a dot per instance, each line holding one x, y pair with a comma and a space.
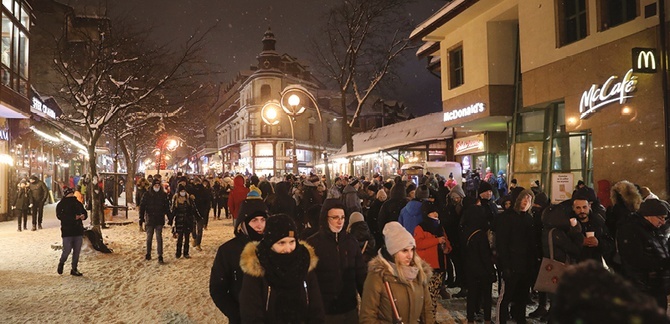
225, 281
597, 241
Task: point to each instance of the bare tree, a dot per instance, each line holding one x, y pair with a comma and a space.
111, 74
364, 40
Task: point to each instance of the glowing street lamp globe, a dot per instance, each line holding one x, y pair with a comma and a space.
294, 100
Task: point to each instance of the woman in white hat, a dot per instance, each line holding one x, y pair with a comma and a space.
396, 288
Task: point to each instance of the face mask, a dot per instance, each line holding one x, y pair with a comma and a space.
156, 189
183, 193
32, 181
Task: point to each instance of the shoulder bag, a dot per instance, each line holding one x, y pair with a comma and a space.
550, 272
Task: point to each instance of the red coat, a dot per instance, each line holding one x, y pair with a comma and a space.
427, 245
237, 195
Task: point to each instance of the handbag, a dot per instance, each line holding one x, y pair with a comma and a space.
550, 272
396, 316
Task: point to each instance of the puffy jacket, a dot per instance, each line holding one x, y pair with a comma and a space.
225, 280
568, 240
38, 191
22, 200
67, 210
154, 207
281, 202
203, 196
237, 195
351, 200
184, 213
341, 270
410, 215
412, 298
428, 247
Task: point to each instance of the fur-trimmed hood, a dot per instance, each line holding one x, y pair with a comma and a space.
380, 265
251, 265
626, 193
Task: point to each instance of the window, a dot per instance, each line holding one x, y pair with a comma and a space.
311, 131
572, 21
530, 125
265, 129
456, 67
265, 93
616, 12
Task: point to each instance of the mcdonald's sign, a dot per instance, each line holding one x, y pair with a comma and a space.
645, 60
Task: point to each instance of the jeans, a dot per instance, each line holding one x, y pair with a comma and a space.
159, 238
38, 212
71, 244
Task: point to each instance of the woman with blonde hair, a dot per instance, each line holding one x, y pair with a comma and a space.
396, 288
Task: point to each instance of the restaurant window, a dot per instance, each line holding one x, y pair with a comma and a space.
616, 12
456, 73
572, 21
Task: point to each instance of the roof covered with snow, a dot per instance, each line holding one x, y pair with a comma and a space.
421, 129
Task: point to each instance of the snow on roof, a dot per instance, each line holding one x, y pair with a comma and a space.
435, 17
417, 130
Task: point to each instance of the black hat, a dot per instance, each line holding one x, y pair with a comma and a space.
278, 227
653, 207
181, 187
410, 188
373, 187
388, 185
67, 191
581, 194
428, 207
484, 187
156, 182
354, 182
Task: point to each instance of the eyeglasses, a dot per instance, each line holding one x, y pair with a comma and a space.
336, 217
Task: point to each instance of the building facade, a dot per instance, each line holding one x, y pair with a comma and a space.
247, 144
580, 85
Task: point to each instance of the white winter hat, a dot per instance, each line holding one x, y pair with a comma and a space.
397, 237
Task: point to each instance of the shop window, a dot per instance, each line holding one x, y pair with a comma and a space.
456, 73
528, 157
572, 21
568, 153
531, 125
616, 12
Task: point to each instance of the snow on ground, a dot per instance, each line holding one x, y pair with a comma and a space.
120, 287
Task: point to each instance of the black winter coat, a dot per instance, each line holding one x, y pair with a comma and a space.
390, 211
22, 200
568, 240
361, 233
341, 270
605, 246
225, 281
478, 256
281, 202
67, 210
372, 218
38, 192
514, 242
203, 197
183, 213
644, 255
154, 207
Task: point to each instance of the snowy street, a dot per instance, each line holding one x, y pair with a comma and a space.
120, 287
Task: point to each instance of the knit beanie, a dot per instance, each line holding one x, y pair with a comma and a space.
410, 188
67, 191
355, 218
254, 193
248, 230
278, 227
652, 207
484, 187
422, 192
388, 185
428, 207
396, 237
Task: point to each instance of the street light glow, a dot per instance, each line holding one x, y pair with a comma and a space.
294, 100
271, 113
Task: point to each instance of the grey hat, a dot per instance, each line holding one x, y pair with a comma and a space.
422, 192
396, 237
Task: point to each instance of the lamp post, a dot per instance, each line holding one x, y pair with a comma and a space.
168, 144
290, 104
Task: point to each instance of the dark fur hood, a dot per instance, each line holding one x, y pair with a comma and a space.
626, 193
250, 264
380, 265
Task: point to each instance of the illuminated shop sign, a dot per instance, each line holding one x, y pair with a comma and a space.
4, 134
40, 108
475, 108
644, 60
470, 144
610, 92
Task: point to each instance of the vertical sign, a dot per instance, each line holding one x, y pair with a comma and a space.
561, 187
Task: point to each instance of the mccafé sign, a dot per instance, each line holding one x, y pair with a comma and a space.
610, 92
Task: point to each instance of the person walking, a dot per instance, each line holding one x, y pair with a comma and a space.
341, 270
396, 287
22, 203
225, 281
217, 198
237, 196
38, 197
279, 284
154, 207
184, 214
71, 213
203, 202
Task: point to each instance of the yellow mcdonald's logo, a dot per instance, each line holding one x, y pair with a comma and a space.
648, 58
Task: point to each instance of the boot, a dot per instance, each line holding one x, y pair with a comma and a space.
76, 273
462, 293
19, 228
160, 259
147, 257
539, 312
39, 226
60, 268
197, 247
444, 293
34, 228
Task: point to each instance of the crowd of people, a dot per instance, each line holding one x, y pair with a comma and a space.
385, 250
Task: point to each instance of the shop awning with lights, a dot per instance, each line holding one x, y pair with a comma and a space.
407, 133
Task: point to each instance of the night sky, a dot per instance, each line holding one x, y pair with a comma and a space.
241, 23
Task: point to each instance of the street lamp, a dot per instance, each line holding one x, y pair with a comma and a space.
168, 144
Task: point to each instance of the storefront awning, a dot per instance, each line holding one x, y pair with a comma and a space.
421, 129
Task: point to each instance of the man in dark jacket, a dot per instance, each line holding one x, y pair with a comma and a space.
203, 202
70, 212
341, 270
225, 281
643, 245
38, 197
597, 241
390, 210
352, 201
514, 244
155, 206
